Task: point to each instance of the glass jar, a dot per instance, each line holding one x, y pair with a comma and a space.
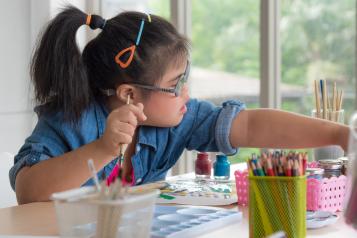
344, 161
221, 167
316, 173
203, 166
332, 168
332, 151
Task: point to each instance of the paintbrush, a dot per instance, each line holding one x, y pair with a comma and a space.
118, 168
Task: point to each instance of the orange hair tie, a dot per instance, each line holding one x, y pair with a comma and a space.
89, 17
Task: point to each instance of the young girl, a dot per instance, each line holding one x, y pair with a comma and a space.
83, 111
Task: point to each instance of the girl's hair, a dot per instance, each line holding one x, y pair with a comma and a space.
67, 81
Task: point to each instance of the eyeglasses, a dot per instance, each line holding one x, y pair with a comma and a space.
176, 90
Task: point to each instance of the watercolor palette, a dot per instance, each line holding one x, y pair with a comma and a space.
190, 221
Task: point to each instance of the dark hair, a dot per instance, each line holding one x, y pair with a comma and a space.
67, 81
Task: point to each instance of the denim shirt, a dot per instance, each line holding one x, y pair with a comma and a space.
204, 127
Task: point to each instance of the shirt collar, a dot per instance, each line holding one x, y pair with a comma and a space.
148, 136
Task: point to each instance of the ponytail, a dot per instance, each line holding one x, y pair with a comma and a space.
57, 68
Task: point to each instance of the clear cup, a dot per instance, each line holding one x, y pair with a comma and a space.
332, 151
335, 116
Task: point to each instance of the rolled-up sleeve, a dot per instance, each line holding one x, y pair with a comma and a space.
223, 125
28, 155
211, 125
46, 141
53, 136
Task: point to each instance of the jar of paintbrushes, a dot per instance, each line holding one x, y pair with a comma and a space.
105, 210
328, 106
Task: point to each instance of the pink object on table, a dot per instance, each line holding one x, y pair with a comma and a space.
326, 194
241, 178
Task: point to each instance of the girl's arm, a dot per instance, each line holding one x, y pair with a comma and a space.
270, 128
70, 170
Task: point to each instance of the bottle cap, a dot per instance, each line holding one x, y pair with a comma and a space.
330, 164
202, 155
221, 157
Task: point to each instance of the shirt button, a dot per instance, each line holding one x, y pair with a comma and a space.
138, 148
138, 180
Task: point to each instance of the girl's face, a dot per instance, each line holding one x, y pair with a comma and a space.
165, 109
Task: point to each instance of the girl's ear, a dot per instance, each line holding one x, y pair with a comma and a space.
125, 90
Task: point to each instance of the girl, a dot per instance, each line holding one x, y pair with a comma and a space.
83, 111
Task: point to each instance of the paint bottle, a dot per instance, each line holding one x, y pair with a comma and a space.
203, 166
221, 167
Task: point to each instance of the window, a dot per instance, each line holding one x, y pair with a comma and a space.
225, 55
318, 42
111, 8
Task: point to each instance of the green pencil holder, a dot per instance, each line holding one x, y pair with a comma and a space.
277, 204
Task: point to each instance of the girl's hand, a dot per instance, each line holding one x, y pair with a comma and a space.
120, 128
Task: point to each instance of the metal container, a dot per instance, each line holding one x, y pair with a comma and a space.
332, 168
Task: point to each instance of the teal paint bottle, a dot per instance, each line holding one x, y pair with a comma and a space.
221, 167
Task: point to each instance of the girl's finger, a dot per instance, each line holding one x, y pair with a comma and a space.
126, 128
138, 110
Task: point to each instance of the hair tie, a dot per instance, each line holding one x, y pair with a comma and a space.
89, 17
95, 21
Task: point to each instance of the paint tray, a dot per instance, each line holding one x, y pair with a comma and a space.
190, 221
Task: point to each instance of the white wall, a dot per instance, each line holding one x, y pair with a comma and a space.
15, 41
21, 22
15, 114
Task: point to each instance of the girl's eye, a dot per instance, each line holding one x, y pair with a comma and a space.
173, 85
